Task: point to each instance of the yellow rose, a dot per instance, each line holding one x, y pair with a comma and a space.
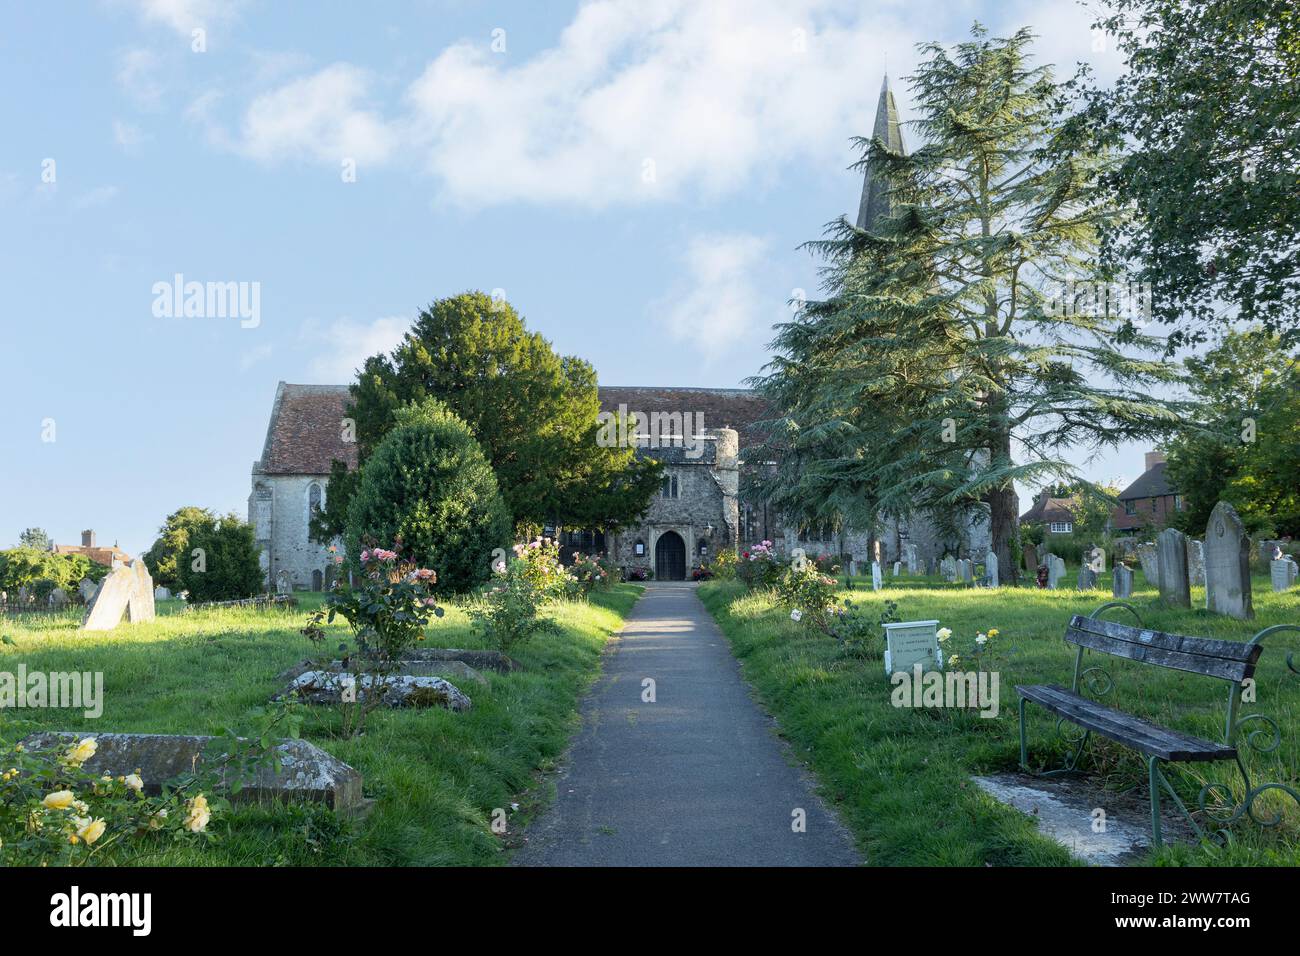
196, 821
92, 831
82, 751
133, 782
994, 632
58, 800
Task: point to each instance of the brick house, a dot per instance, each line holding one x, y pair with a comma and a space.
1149, 501
1056, 515
111, 557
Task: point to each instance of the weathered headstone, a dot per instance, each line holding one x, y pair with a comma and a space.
282, 583
1171, 551
1146, 553
105, 609
1087, 578
898, 568
967, 570
876, 582
140, 606
161, 593
1121, 584
1195, 563
87, 588
306, 772
948, 567
1227, 564
909, 553
910, 643
1031, 558
1283, 574
991, 569
1055, 571
58, 598
1268, 548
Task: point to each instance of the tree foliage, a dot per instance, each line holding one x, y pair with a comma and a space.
428, 491
532, 411
172, 544
24, 566
1206, 111
35, 538
1243, 442
227, 564
946, 362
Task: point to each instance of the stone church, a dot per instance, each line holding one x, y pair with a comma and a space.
700, 508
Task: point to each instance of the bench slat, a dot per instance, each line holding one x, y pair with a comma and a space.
1165, 650
1141, 735
1202, 646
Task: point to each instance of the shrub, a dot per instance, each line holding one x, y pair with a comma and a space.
227, 564
724, 565
589, 574
509, 613
809, 594
428, 484
759, 567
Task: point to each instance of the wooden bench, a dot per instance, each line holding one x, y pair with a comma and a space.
1230, 661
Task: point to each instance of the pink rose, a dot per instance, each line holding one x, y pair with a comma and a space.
365, 555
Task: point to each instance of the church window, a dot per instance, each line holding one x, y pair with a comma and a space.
315, 497
669, 489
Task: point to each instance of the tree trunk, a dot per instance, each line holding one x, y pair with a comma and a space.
1004, 525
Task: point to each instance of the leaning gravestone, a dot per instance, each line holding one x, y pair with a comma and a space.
1227, 564
991, 568
1195, 563
306, 772
1283, 573
876, 582
910, 643
1146, 553
140, 606
1121, 585
105, 608
1171, 551
87, 588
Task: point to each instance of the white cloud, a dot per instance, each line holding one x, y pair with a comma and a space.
137, 74
317, 117
718, 303
639, 100
185, 15
348, 343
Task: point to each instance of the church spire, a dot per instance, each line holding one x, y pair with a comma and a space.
875, 198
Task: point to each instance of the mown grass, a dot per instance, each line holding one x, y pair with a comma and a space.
435, 776
901, 777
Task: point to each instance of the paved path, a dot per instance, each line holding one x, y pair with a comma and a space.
696, 778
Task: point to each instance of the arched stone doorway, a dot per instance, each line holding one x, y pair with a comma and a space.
317, 579
670, 557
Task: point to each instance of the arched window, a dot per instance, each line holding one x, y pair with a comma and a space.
315, 499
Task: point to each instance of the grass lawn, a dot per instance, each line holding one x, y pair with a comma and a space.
900, 777
435, 776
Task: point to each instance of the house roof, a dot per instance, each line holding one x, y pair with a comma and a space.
737, 408
104, 556
1151, 484
305, 434
1047, 509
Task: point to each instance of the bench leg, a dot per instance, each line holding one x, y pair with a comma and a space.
1024, 747
1153, 769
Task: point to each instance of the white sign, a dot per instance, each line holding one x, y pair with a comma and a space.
909, 643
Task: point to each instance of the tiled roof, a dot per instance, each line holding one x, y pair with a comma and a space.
737, 408
305, 434
1151, 484
104, 556
1049, 509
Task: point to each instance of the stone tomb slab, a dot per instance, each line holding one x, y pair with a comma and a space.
307, 773
1065, 810
396, 690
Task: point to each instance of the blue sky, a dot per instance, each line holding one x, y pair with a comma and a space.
635, 176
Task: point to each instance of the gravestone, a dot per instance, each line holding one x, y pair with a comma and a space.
909, 553
1121, 585
24, 596
87, 588
1055, 571
898, 568
140, 606
1227, 564
282, 583
910, 643
1146, 553
1087, 578
1195, 563
394, 690
1097, 560
105, 608
58, 598
1268, 548
161, 593
876, 582
948, 566
1171, 552
306, 774
1031, 558
1283, 573
991, 568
